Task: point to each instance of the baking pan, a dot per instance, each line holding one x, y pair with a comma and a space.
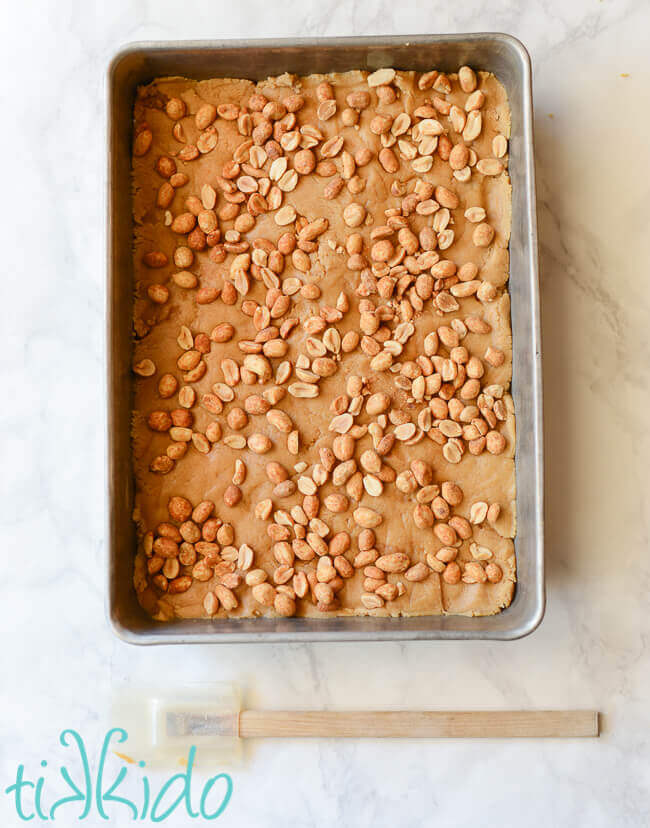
256, 59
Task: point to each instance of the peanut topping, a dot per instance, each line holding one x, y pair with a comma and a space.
332, 272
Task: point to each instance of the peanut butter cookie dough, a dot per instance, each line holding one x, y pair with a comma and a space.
322, 422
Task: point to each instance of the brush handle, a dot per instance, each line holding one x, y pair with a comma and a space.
494, 724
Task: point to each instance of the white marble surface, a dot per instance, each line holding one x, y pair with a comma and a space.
593, 649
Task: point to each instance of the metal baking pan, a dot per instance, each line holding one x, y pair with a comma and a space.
257, 59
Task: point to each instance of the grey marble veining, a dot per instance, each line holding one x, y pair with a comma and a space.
592, 650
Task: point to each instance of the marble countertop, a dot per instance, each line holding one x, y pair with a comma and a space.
591, 79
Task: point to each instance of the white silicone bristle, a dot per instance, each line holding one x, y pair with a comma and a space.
162, 726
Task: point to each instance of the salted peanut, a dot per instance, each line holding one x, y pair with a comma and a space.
461, 526
276, 472
323, 593
393, 562
423, 516
494, 357
201, 442
483, 234
326, 110
473, 126
493, 512
207, 295
190, 532
178, 585
452, 493
353, 215
388, 160
467, 79
165, 196
165, 166
447, 554
182, 417
336, 503
306, 486
159, 421
176, 450
183, 223
419, 572
372, 600
366, 539
440, 508
459, 156
445, 534
325, 571
354, 487
175, 108
237, 418
232, 495
226, 597
377, 404
475, 100
208, 549
342, 472
283, 553
142, 142
169, 532
190, 359
499, 146
259, 443
263, 509
371, 461
185, 279
434, 564
480, 553
486, 292
255, 404
365, 557
144, 368
239, 475
293, 442
155, 259
422, 471
473, 573
493, 572
187, 397
367, 518
495, 442
170, 567
406, 482
446, 198
210, 604
405, 431
201, 511
165, 547
284, 605
386, 94
205, 115
452, 573
389, 592
343, 447
381, 77
213, 432
358, 100
284, 489
179, 508
489, 166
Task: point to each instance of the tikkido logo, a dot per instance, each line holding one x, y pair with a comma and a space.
95, 792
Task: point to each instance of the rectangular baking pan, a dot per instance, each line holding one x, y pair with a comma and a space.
257, 59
